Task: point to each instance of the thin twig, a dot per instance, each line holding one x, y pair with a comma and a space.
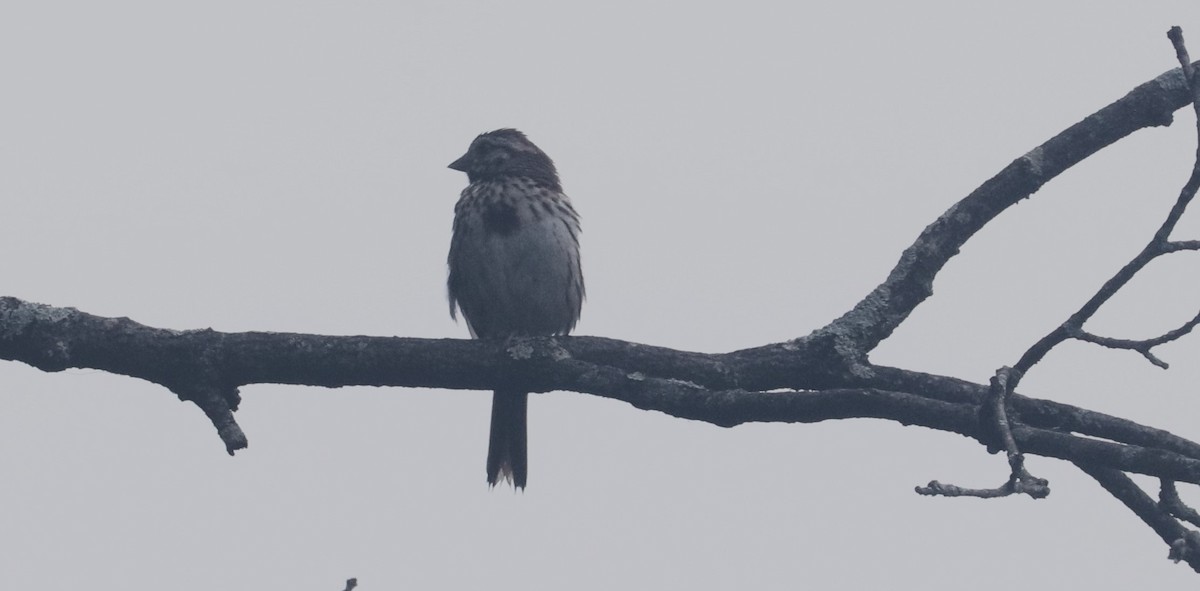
998, 397
937, 489
1168, 498
1178, 245
1175, 34
1142, 346
1020, 481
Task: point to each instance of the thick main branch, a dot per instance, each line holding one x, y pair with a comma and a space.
684, 384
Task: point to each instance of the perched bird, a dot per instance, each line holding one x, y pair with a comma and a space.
514, 268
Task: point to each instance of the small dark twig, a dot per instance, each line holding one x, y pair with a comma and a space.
1142, 346
937, 489
1002, 383
351, 584
1020, 481
1168, 498
1175, 34
215, 402
1178, 245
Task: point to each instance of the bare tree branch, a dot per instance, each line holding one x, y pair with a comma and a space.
1184, 543
53, 339
875, 317
1159, 245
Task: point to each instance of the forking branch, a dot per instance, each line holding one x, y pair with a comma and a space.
1164, 515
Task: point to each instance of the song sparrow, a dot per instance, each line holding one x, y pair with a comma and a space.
514, 268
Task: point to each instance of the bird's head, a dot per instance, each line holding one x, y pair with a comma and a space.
506, 153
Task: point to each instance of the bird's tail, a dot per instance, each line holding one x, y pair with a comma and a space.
506, 446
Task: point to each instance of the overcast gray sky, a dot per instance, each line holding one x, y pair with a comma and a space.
744, 173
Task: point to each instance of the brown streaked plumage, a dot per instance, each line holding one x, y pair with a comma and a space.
514, 268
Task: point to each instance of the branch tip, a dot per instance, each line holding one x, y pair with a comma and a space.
1175, 34
218, 405
1185, 548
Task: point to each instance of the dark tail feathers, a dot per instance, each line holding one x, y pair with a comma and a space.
506, 447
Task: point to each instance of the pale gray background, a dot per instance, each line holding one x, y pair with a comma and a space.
744, 174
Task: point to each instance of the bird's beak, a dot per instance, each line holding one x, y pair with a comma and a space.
460, 164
